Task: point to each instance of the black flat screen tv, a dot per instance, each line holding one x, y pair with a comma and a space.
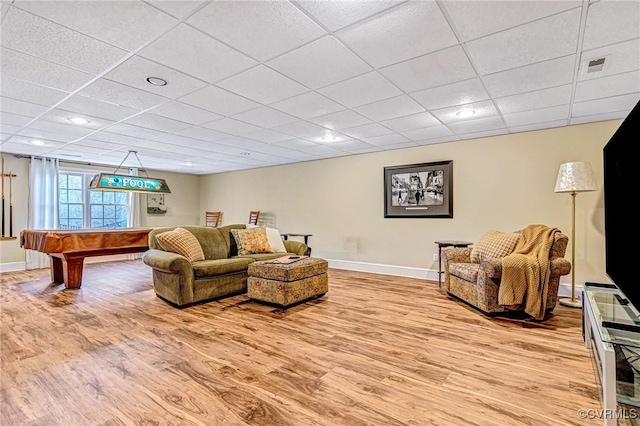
620, 211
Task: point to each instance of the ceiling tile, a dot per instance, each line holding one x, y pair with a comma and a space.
361, 90
618, 115
605, 105
352, 145
459, 93
184, 112
411, 122
179, 140
539, 126
303, 129
63, 117
14, 120
428, 133
116, 93
481, 109
603, 16
619, 84
96, 108
114, 139
135, 131
176, 8
443, 67
366, 150
268, 136
266, 30
203, 134
391, 139
538, 41
21, 145
100, 144
367, 131
336, 14
24, 67
296, 144
55, 131
479, 125
8, 129
21, 108
192, 52
234, 127
156, 122
537, 116
621, 57
555, 72
135, 71
28, 92
340, 120
320, 63
125, 24
390, 108
323, 151
485, 134
266, 117
476, 19
263, 85
308, 105
219, 101
535, 100
44, 39
417, 27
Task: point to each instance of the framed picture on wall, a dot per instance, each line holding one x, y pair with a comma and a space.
155, 204
419, 190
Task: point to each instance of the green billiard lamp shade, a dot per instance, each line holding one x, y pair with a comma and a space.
114, 182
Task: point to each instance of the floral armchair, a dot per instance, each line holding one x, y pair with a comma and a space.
477, 281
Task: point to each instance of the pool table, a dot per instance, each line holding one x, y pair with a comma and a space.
68, 248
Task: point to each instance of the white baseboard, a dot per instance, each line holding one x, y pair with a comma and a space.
565, 290
12, 266
378, 268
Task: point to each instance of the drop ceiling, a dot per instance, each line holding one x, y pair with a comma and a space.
261, 83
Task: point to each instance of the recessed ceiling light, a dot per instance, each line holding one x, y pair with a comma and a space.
187, 163
157, 81
79, 120
37, 142
465, 113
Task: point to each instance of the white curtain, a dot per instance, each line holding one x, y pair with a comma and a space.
43, 204
134, 219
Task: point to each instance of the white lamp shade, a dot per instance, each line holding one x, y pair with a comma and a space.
575, 177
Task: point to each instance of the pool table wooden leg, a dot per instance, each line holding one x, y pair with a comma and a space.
57, 275
72, 271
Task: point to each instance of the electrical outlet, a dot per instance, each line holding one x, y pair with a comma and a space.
435, 257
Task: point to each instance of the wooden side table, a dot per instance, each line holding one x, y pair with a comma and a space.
447, 244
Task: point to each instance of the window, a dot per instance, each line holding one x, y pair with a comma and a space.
84, 208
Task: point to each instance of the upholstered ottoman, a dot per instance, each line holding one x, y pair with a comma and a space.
284, 284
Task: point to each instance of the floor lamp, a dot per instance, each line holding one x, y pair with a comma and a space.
573, 178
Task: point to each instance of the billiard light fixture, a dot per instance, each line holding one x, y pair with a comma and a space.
116, 182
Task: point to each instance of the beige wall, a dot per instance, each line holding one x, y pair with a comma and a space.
504, 182
182, 204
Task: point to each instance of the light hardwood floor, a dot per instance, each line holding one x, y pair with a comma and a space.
376, 350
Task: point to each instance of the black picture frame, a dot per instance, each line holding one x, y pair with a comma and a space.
419, 190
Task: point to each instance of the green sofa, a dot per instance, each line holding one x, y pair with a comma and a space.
222, 273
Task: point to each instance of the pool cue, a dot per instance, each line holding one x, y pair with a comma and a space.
10, 205
3, 197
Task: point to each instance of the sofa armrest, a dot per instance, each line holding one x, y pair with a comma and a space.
456, 255
493, 267
560, 266
296, 247
168, 262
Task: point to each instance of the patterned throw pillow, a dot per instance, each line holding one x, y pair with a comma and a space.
182, 242
494, 244
251, 241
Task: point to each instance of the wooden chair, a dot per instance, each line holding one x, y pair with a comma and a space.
212, 219
253, 217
